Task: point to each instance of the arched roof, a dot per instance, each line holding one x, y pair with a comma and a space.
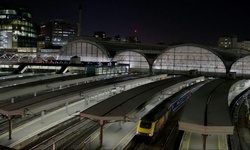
189, 57
132, 57
101, 47
241, 66
111, 49
86, 50
140, 52
228, 56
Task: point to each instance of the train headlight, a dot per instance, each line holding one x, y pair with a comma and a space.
150, 134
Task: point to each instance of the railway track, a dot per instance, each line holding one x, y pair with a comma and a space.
62, 136
49, 132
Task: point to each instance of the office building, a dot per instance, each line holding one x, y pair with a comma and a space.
100, 34
228, 42
244, 45
56, 33
225, 42
17, 31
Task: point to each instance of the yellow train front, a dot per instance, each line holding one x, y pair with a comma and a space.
145, 128
155, 119
152, 122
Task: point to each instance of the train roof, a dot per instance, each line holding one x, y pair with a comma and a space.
155, 113
161, 108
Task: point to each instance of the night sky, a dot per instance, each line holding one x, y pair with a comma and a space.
175, 21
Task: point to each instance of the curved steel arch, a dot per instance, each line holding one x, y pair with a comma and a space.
143, 62
241, 66
175, 59
133, 50
204, 47
99, 47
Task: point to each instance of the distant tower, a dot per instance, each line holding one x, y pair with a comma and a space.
79, 21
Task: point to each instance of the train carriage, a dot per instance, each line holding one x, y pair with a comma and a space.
156, 118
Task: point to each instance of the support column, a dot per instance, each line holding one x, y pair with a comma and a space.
86, 101
101, 131
54, 146
42, 115
66, 106
12, 99
120, 124
204, 141
10, 127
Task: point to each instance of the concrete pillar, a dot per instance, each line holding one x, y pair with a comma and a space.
120, 124
54, 146
42, 114
12, 99
66, 106
101, 132
10, 126
204, 141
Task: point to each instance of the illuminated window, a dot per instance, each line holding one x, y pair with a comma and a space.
2, 16
6, 11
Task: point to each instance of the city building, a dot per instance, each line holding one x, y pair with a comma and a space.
100, 34
133, 39
56, 33
244, 45
17, 31
232, 43
227, 42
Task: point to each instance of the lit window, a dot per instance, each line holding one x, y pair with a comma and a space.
2, 16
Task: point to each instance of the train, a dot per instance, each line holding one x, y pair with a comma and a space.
155, 119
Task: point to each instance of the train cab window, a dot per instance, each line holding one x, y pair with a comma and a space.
146, 125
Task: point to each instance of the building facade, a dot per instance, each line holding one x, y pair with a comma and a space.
17, 31
56, 33
244, 45
228, 42
225, 42
100, 34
